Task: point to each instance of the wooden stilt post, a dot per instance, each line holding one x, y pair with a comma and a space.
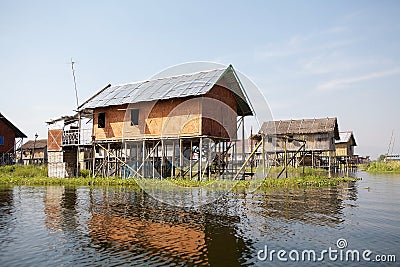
93, 159
285, 158
223, 159
312, 159
190, 159
329, 164
210, 159
304, 157
200, 167
143, 159
152, 159
263, 155
162, 159
173, 159
108, 159
243, 147
137, 157
181, 158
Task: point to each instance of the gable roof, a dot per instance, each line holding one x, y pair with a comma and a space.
346, 137
18, 133
192, 84
304, 126
40, 144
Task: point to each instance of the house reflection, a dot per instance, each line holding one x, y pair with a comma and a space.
53, 209
320, 206
170, 233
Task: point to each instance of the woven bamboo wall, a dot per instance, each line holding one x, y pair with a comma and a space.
315, 142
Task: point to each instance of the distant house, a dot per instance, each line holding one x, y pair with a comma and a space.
34, 152
319, 134
309, 141
345, 145
9, 135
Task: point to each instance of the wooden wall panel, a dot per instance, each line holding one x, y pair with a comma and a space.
54, 140
219, 113
214, 114
9, 138
173, 117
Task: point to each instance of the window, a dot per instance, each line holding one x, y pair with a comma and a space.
1, 140
134, 117
101, 120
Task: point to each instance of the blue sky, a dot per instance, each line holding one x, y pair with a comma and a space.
309, 58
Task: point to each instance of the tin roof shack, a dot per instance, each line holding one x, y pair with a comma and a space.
34, 152
68, 145
345, 157
345, 145
10, 138
309, 142
167, 126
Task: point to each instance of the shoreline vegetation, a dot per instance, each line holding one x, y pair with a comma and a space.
383, 167
37, 176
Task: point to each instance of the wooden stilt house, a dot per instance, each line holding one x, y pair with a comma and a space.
302, 142
175, 126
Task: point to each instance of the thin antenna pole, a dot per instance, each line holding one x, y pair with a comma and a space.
76, 90
390, 144
394, 140
79, 120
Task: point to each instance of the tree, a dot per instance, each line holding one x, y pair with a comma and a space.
382, 158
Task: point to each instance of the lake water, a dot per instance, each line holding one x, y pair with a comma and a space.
85, 226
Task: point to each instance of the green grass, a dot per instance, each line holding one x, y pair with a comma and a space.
384, 167
296, 172
35, 175
305, 181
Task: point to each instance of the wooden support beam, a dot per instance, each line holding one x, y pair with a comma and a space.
200, 167
144, 158
121, 161
247, 160
181, 158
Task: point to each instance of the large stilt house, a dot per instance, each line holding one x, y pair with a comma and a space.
174, 126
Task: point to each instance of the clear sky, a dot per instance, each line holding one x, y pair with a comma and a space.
309, 58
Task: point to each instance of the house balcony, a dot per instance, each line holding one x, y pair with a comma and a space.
76, 137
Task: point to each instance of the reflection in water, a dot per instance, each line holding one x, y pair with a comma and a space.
321, 206
53, 209
114, 226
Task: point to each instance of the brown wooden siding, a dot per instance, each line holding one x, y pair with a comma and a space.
9, 138
219, 113
213, 115
54, 140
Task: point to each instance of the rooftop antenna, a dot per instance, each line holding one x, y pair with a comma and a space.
76, 90
79, 119
390, 144
394, 140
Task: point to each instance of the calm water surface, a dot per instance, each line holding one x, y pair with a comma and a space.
84, 226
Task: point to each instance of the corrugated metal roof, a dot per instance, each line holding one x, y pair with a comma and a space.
193, 84
304, 126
